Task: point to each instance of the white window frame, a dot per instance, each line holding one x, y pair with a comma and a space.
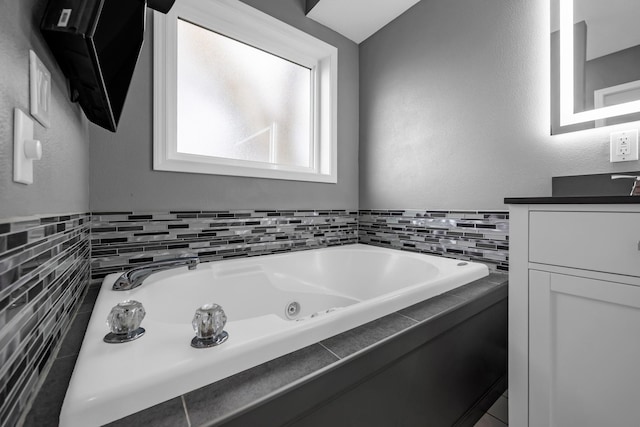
241, 22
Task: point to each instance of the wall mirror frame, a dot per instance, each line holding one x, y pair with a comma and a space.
568, 51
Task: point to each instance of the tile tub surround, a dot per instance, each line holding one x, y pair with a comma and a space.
120, 240
231, 397
44, 269
481, 236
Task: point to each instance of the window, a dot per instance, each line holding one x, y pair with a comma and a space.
237, 92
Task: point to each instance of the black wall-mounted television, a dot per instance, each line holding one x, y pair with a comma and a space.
97, 44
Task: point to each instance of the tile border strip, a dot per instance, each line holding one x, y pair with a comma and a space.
122, 239
481, 236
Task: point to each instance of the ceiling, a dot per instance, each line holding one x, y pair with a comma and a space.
358, 19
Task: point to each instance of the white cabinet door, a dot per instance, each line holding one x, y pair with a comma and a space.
584, 347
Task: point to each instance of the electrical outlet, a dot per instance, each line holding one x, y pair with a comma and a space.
624, 146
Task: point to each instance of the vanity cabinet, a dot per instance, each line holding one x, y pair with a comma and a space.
574, 315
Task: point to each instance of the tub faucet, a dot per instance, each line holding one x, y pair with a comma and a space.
133, 278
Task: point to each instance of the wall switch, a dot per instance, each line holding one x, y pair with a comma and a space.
624, 146
25, 148
40, 89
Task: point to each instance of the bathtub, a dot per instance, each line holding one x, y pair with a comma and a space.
336, 289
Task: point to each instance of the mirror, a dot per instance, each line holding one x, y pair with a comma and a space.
595, 63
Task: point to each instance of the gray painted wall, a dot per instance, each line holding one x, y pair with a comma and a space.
122, 176
454, 109
61, 178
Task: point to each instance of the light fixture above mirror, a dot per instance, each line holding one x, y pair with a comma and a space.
595, 63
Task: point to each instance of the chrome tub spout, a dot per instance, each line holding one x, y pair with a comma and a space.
133, 278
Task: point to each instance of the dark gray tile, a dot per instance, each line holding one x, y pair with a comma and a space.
500, 409
73, 339
17, 239
221, 398
498, 278
431, 307
370, 333
489, 421
90, 298
11, 416
167, 414
9, 277
45, 410
480, 286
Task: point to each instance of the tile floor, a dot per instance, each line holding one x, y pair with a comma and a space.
497, 415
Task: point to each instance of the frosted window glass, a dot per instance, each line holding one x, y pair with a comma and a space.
239, 102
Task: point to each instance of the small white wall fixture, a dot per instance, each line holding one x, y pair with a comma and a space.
25, 148
39, 90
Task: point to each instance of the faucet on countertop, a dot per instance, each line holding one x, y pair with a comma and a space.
635, 191
134, 277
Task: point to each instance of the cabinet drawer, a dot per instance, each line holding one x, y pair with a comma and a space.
597, 241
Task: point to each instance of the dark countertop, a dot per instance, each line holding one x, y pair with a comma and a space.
221, 400
574, 200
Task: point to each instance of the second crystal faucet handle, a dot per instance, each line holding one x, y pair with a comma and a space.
124, 322
208, 324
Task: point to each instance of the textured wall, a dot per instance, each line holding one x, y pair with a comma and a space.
122, 176
454, 109
61, 178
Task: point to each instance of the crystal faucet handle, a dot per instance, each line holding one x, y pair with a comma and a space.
124, 321
209, 321
208, 324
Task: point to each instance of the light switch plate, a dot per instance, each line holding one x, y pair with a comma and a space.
39, 89
22, 131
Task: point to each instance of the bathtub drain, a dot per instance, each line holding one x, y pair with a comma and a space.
292, 310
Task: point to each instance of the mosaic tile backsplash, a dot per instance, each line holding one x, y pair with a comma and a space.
44, 268
121, 240
467, 235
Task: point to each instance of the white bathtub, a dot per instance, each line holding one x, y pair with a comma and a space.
362, 282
